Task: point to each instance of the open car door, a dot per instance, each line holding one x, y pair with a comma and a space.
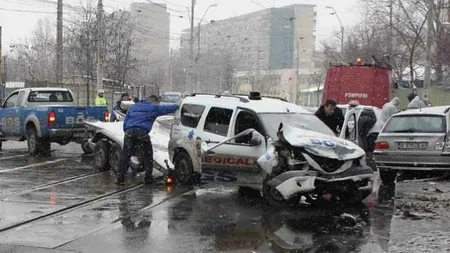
349, 129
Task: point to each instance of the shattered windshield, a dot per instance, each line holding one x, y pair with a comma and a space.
416, 124
271, 122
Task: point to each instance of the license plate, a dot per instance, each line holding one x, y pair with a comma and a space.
412, 145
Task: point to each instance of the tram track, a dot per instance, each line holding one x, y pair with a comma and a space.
71, 207
50, 184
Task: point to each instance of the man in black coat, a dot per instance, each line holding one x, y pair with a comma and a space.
366, 121
331, 115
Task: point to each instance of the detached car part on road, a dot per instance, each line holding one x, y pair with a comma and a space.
416, 140
268, 144
45, 115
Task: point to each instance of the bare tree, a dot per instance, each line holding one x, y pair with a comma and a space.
119, 42
227, 73
38, 51
409, 18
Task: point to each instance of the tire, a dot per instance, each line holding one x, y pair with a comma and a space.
184, 170
388, 177
37, 145
114, 157
101, 156
85, 147
275, 199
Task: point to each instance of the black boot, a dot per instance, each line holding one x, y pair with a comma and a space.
148, 179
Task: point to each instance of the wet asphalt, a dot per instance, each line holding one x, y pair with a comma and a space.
61, 204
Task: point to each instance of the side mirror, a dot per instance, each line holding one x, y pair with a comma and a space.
255, 139
205, 150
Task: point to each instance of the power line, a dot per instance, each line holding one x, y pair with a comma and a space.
175, 4
28, 11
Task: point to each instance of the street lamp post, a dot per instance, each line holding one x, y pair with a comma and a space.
342, 27
198, 47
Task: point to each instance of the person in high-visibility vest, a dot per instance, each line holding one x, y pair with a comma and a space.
101, 99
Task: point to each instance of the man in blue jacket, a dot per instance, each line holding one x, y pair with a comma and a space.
137, 125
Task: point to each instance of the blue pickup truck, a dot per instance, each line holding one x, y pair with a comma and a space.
45, 115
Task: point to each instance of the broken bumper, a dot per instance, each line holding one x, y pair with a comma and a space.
291, 183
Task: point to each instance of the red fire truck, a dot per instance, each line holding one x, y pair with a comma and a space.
370, 84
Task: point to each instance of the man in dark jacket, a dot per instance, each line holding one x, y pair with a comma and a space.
123, 97
137, 125
366, 121
331, 115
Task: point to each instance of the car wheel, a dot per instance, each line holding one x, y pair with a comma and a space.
101, 159
184, 169
86, 148
37, 146
274, 198
114, 157
388, 177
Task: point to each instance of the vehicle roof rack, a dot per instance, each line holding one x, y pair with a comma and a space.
273, 97
244, 100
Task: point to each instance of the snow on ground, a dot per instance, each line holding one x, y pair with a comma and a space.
421, 220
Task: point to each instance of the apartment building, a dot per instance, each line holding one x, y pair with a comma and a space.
270, 50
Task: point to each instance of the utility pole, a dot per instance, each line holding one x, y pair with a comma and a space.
5, 71
171, 70
59, 44
258, 70
427, 78
198, 59
391, 9
191, 56
100, 45
297, 68
1, 66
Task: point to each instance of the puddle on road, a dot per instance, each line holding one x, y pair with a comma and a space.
65, 227
211, 222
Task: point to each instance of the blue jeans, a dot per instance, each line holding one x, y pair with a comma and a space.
134, 139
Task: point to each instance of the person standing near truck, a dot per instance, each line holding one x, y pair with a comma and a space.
123, 97
137, 125
389, 109
101, 99
416, 103
331, 115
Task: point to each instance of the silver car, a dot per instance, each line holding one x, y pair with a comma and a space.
414, 140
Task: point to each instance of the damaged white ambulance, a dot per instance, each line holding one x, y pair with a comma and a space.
268, 144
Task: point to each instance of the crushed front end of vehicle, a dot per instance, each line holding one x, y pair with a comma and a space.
309, 167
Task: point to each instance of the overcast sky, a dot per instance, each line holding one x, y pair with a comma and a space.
18, 17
